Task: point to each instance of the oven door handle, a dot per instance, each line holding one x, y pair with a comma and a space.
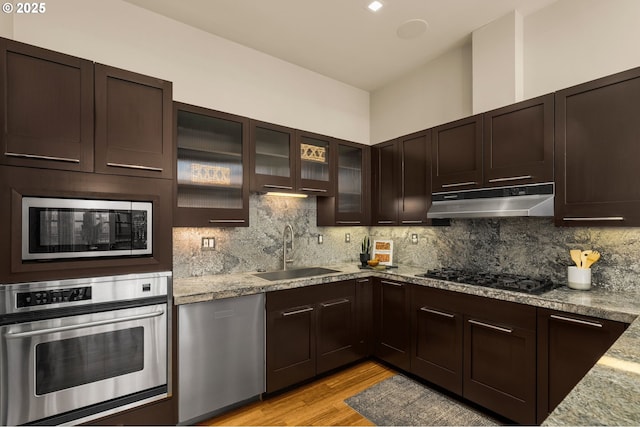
10, 335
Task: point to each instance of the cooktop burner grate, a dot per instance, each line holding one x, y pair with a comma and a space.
510, 282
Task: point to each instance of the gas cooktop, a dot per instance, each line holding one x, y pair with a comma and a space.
509, 282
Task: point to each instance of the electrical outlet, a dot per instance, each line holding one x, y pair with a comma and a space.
347, 237
414, 238
208, 244
320, 239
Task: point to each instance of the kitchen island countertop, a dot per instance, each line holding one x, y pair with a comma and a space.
608, 395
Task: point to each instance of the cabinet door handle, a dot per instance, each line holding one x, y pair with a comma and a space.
436, 312
494, 327
348, 222
580, 321
278, 187
294, 312
39, 157
331, 304
140, 167
459, 184
362, 281
385, 222
385, 282
511, 178
412, 222
450, 196
595, 218
215, 221
315, 190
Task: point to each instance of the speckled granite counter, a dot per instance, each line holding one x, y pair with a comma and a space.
608, 395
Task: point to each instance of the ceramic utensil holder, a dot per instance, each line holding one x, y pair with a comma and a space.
579, 278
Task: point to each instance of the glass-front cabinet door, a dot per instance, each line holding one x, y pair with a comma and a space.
350, 206
315, 159
272, 160
212, 177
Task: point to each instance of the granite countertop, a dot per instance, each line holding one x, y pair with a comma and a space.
608, 395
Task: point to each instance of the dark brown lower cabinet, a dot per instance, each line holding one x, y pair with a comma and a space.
436, 349
392, 322
364, 317
336, 333
568, 346
500, 358
310, 330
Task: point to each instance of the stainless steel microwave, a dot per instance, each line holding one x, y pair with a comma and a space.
60, 228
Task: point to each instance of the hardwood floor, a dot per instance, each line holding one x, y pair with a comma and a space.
318, 403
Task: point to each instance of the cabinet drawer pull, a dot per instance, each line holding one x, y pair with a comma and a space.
572, 320
412, 222
459, 184
385, 282
494, 327
594, 218
362, 281
39, 157
450, 196
278, 187
385, 222
511, 178
215, 221
348, 222
315, 190
294, 312
127, 166
331, 304
439, 313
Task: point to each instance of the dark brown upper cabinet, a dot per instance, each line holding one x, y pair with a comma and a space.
457, 155
402, 180
272, 157
46, 108
351, 204
518, 143
288, 160
384, 176
314, 163
597, 152
133, 124
212, 184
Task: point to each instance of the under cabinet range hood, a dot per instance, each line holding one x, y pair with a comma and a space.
524, 200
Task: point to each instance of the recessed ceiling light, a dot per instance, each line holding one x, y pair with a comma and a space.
375, 6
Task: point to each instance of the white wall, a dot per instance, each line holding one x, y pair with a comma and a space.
436, 93
573, 41
6, 25
566, 43
497, 63
205, 70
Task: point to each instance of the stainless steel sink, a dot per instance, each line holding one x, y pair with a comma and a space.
295, 273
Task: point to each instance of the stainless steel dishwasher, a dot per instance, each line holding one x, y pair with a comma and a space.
221, 355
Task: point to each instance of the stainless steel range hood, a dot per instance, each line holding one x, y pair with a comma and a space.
525, 200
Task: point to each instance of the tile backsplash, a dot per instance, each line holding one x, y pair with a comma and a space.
530, 246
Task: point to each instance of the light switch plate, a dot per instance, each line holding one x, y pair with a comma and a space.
320, 239
414, 238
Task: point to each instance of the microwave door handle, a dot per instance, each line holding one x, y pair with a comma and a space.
11, 335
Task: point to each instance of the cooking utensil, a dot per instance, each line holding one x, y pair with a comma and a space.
591, 258
583, 258
575, 256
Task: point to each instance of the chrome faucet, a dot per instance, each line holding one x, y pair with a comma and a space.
284, 246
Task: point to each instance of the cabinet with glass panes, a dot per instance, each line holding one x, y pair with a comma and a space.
350, 206
212, 178
289, 160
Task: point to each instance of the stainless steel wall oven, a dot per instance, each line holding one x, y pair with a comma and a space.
60, 228
76, 350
